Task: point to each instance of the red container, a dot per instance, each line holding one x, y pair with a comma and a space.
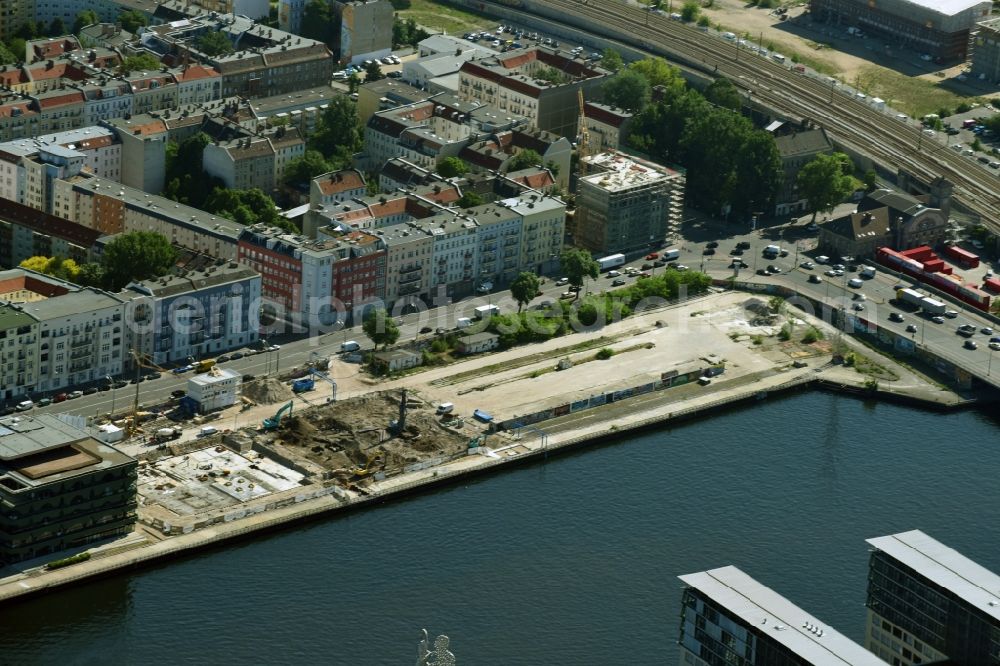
934, 265
992, 284
922, 253
963, 257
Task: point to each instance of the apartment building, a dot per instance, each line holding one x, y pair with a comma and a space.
254, 161
72, 335
61, 488
607, 126
26, 232
986, 50
337, 187
426, 131
627, 205
266, 61
315, 282
113, 208
407, 265
539, 83
928, 603
197, 312
493, 153
143, 142
385, 94
28, 167
797, 148
727, 617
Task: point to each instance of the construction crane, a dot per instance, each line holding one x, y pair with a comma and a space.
583, 144
141, 361
273, 422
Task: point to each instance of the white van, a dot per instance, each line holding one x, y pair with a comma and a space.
445, 408
349, 346
777, 57
206, 431
463, 322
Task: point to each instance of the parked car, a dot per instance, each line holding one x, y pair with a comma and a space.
153, 375
808, 265
774, 269
25, 405
235, 356
708, 251
73, 395
7, 410
90, 390
426, 329
223, 358
274, 348
43, 402
178, 393
182, 369
652, 255
119, 384
59, 397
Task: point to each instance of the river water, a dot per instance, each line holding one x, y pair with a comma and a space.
570, 561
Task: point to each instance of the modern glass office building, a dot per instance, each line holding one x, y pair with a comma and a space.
927, 603
729, 619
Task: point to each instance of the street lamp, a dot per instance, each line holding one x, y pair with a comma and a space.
267, 356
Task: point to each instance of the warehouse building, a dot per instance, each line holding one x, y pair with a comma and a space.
938, 28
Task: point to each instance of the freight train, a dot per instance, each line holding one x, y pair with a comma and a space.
921, 263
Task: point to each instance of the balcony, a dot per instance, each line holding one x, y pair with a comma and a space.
410, 277
409, 289
81, 342
409, 268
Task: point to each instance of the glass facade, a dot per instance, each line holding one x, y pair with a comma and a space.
914, 620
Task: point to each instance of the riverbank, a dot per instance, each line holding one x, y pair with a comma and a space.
746, 380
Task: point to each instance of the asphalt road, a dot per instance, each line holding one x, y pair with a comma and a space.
795, 238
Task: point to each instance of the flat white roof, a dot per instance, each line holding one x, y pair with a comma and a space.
948, 7
945, 567
778, 618
621, 172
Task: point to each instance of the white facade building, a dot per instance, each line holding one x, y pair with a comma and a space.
216, 389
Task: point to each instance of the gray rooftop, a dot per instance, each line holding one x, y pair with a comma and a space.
944, 567
191, 281
774, 616
87, 299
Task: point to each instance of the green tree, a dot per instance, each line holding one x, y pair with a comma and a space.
337, 134
451, 167
577, 265
353, 83
722, 92
305, 168
214, 44
523, 160
759, 172
703, 21
6, 56
319, 21
826, 181
406, 32
871, 181
138, 255
627, 89
659, 73
83, 19
611, 60
373, 71
57, 27
524, 288
469, 200
690, 11
380, 327
143, 62
658, 129
91, 275
132, 20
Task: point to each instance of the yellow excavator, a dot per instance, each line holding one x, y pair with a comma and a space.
374, 458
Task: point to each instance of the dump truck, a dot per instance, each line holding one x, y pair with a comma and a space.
166, 434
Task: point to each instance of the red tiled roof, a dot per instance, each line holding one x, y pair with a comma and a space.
195, 72
13, 77
340, 181
536, 179
152, 127
7, 110
61, 100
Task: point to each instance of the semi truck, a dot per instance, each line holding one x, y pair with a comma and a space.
932, 306
910, 296
486, 311
610, 261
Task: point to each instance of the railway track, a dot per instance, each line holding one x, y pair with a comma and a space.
891, 143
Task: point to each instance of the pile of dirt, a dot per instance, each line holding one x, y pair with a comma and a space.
354, 434
267, 391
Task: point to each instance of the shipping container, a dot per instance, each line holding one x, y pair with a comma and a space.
922, 253
934, 265
964, 257
992, 284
